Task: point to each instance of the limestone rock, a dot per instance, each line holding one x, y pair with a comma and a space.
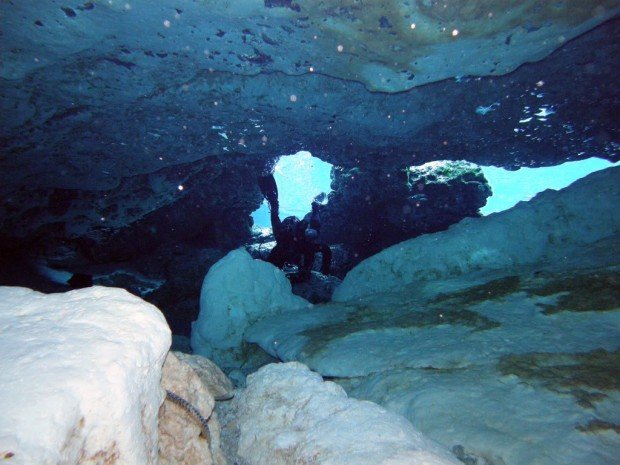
80, 375
288, 415
104, 171
237, 291
371, 209
210, 374
388, 47
183, 440
318, 289
543, 229
496, 338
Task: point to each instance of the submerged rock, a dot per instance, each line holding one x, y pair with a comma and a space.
237, 291
552, 228
189, 432
496, 338
80, 375
288, 414
218, 384
371, 209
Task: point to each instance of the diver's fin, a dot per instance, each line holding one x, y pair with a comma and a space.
65, 278
268, 188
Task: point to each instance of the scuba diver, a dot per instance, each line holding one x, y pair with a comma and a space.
296, 240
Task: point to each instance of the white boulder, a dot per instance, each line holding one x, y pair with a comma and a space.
80, 375
236, 292
289, 415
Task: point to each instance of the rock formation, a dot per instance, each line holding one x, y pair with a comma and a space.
80, 376
288, 415
185, 438
237, 291
496, 338
542, 230
369, 210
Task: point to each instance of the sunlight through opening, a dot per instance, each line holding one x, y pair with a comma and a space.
300, 178
511, 187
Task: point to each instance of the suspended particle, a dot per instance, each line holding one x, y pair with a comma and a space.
167, 23
540, 83
455, 32
311, 69
293, 98
412, 26
340, 48
180, 187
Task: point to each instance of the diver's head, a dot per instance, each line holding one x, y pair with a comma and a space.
290, 225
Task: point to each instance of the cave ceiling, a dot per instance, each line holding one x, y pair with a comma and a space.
95, 92
142, 99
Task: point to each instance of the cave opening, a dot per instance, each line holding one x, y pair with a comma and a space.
511, 187
300, 178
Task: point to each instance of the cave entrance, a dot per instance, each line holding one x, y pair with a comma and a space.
511, 187
300, 178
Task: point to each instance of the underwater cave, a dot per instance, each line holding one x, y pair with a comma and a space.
455, 166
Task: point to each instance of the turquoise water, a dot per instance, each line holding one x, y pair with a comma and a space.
511, 187
300, 178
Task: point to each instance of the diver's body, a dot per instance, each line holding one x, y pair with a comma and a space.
296, 241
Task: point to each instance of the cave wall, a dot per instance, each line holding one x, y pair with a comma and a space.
204, 204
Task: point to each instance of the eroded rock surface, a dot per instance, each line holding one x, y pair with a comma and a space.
80, 376
288, 414
183, 438
371, 209
497, 338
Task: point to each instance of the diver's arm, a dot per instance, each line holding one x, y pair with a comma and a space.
269, 189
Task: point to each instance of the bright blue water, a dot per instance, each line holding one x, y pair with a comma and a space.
511, 187
300, 178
